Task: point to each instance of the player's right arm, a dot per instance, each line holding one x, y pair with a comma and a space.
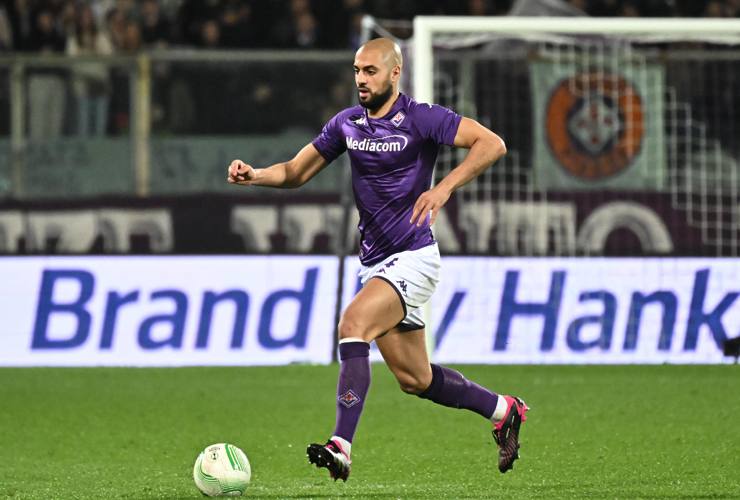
290, 174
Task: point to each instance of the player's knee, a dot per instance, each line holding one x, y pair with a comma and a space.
412, 384
350, 327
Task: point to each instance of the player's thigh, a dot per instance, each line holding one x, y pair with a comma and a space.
375, 309
405, 353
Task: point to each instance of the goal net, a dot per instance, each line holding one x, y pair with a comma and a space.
623, 135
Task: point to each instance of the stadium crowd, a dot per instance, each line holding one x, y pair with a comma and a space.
131, 25
188, 100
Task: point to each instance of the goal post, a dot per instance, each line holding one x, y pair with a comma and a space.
615, 123
623, 135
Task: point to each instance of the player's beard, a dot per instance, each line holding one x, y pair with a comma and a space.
375, 101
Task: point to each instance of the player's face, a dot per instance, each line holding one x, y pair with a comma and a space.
374, 79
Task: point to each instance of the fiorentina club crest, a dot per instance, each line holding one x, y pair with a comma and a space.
396, 120
349, 399
595, 125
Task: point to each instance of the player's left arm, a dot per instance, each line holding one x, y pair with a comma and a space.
485, 147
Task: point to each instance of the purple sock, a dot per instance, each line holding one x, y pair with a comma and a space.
354, 381
450, 388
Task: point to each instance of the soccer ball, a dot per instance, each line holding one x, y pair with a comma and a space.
222, 469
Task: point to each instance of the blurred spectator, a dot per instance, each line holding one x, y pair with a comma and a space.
298, 27
156, 31
21, 19
341, 95
717, 8
604, 8
67, 18
714, 9
169, 8
284, 32
181, 112
127, 8
125, 34
191, 17
235, 24
305, 31
210, 37
132, 42
629, 10
6, 33
581, 5
486, 8
339, 22
262, 102
546, 8
46, 89
477, 8
355, 31
90, 80
102, 8
116, 28
298, 7
395, 9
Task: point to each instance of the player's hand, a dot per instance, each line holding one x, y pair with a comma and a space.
429, 201
241, 173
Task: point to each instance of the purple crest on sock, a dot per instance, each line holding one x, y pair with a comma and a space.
349, 399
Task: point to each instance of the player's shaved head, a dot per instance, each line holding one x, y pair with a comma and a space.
377, 72
389, 51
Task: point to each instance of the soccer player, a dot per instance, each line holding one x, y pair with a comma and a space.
392, 142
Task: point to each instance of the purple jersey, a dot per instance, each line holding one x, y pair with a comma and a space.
392, 160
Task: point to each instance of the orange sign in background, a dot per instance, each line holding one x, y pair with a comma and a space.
594, 125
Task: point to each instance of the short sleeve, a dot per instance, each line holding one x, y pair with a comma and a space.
329, 142
437, 123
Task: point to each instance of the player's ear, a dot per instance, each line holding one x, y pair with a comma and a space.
396, 73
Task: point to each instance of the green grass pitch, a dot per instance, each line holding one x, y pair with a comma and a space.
593, 432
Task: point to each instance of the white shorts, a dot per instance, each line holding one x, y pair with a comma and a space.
414, 275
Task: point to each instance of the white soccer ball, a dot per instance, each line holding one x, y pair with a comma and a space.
222, 470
